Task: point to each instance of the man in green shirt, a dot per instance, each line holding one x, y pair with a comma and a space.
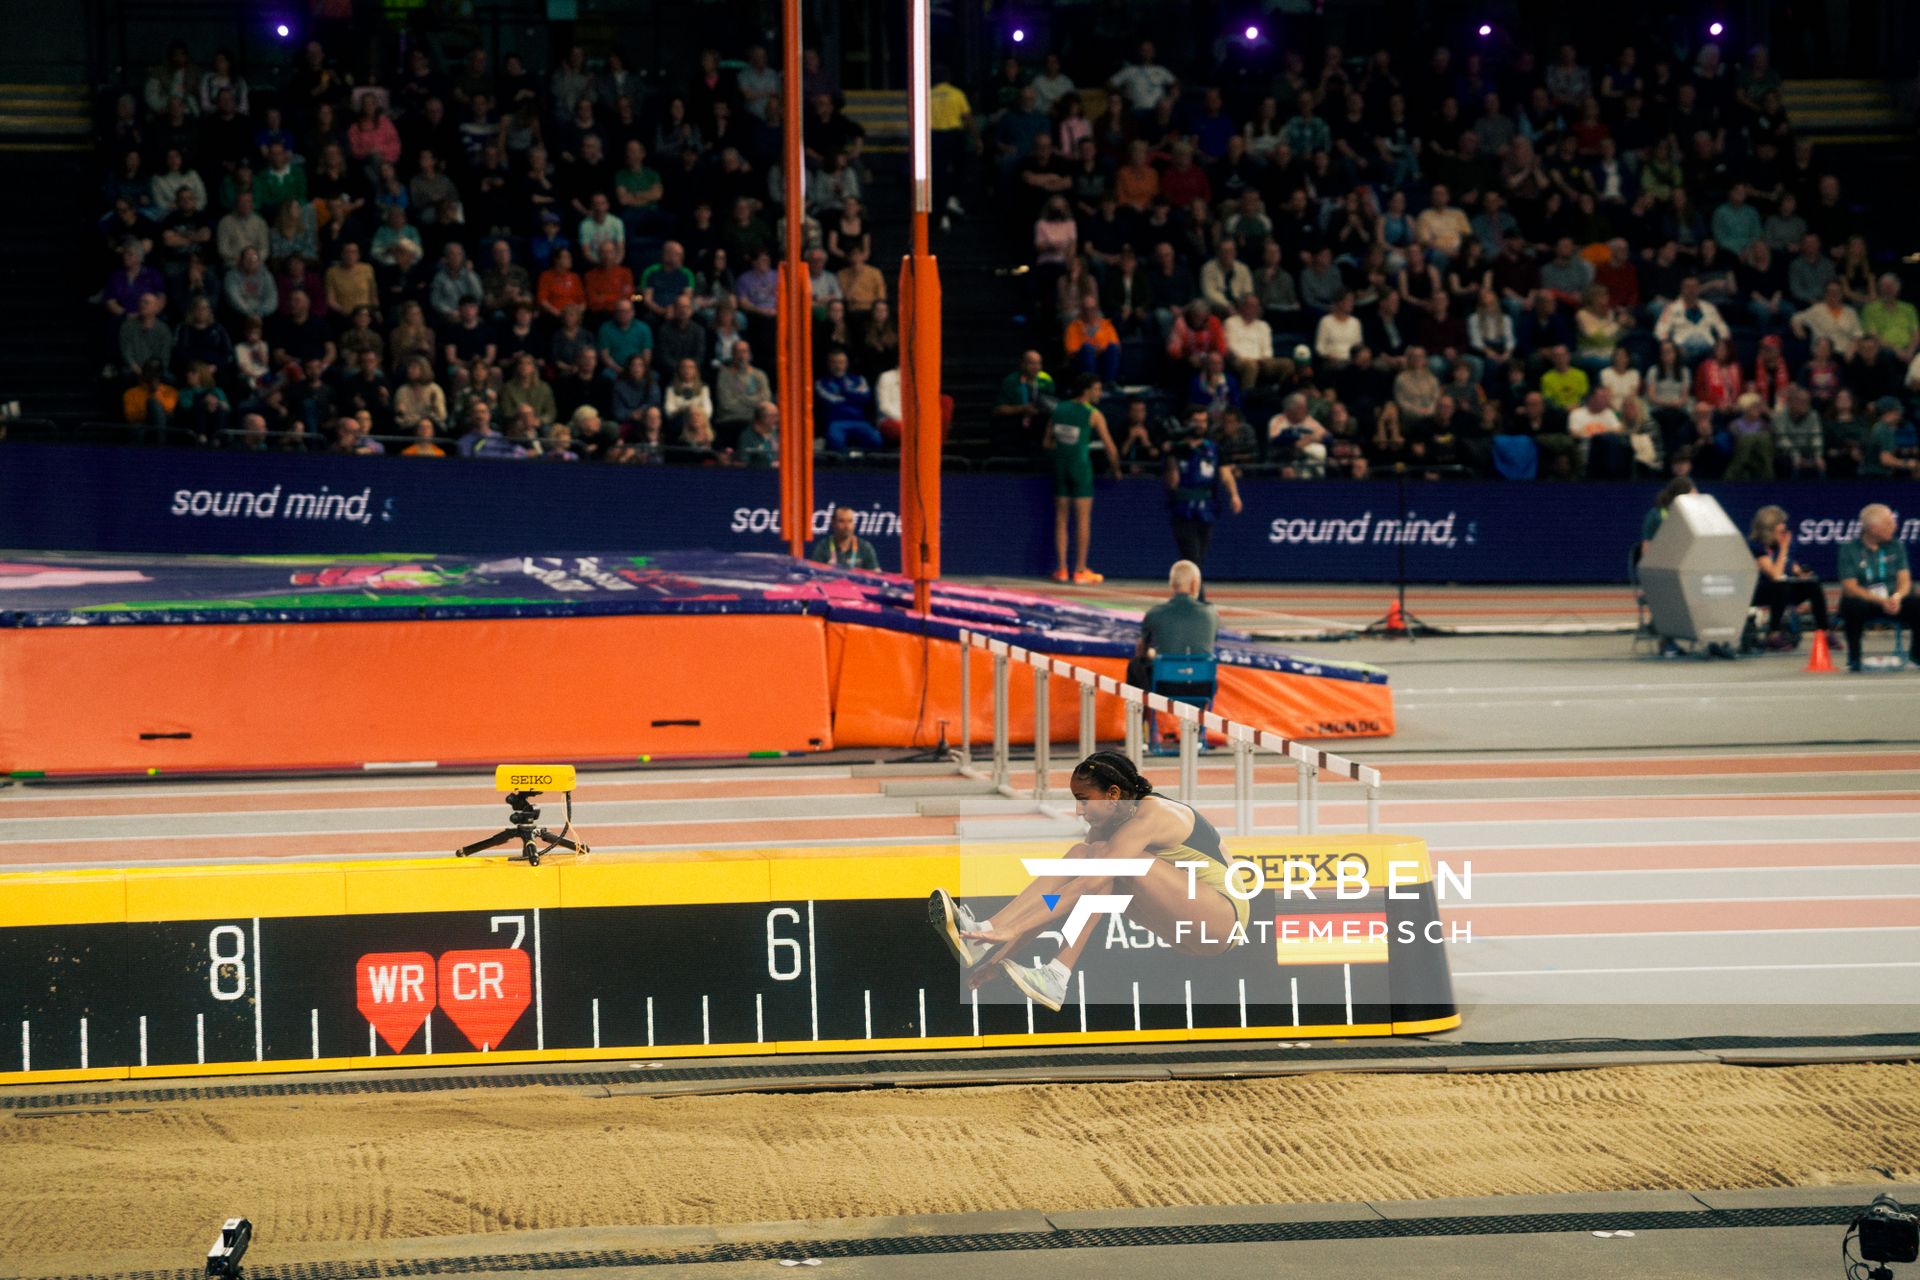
622, 337
1184, 625
279, 182
1894, 322
841, 547
1070, 435
1891, 445
637, 189
665, 280
1876, 582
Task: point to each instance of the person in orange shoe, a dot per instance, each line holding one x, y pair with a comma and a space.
1070, 435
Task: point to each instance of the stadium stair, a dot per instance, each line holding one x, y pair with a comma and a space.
1844, 112
980, 345
43, 117
49, 347
883, 114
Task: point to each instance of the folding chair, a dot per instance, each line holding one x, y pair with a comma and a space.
1180, 677
1643, 632
1896, 661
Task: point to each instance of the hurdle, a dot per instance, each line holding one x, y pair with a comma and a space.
1245, 740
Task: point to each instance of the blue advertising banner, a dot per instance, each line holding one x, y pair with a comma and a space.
76, 498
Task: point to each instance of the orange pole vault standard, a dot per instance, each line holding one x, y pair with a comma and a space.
794, 308
920, 344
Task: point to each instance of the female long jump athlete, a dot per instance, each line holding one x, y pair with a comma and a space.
1125, 819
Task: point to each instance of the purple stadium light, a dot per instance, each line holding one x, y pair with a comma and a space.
1715, 29
1019, 35
283, 31
1486, 29
1252, 33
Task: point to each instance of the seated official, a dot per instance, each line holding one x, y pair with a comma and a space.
1784, 583
1876, 582
1185, 624
841, 547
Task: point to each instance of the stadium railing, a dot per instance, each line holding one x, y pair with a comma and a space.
99, 431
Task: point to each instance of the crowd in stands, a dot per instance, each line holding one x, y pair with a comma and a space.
482, 259
1560, 266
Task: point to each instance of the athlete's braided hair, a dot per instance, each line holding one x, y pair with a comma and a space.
1113, 769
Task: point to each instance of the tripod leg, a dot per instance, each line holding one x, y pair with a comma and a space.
560, 842
499, 838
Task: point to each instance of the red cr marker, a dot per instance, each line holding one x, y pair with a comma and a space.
485, 992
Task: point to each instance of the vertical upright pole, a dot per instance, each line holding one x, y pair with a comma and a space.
1001, 769
966, 699
1373, 810
795, 306
919, 317
1188, 753
1134, 746
1242, 787
1042, 733
1306, 797
1089, 737
1302, 799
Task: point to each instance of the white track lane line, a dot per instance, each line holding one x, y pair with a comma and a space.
267, 833
1695, 933
1810, 695
1755, 682
1684, 968
358, 785
115, 789
1671, 902
978, 841
1552, 756
1387, 808
1817, 869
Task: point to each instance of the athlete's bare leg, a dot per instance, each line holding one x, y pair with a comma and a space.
1083, 526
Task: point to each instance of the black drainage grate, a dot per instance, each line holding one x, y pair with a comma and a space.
1038, 1241
808, 1069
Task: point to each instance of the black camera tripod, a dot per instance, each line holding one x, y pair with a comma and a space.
534, 839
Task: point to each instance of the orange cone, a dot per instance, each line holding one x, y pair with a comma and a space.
1819, 659
1395, 621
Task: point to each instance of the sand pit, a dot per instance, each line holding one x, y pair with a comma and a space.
142, 1186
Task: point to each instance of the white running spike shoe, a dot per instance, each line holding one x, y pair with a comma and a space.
950, 919
1041, 984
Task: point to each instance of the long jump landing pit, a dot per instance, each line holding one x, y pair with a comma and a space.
151, 665
146, 973
104, 1188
